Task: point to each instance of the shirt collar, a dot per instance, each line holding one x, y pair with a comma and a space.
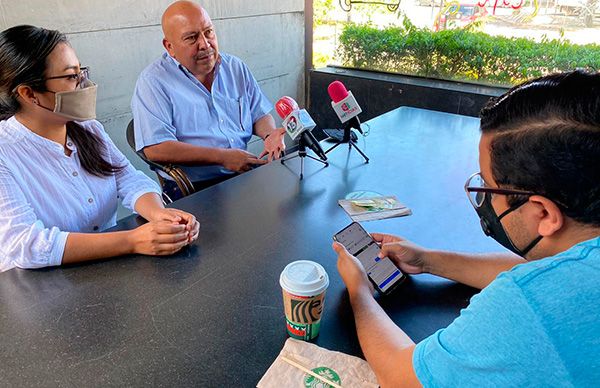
22, 132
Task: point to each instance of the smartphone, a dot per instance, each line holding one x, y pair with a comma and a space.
383, 273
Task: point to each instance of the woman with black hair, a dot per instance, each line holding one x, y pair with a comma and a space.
60, 174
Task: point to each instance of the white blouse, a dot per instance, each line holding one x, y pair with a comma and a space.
45, 194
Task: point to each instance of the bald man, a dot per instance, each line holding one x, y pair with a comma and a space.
197, 107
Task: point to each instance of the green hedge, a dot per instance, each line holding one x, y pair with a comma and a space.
460, 54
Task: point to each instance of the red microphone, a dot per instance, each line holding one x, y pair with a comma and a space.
344, 105
298, 123
337, 91
285, 106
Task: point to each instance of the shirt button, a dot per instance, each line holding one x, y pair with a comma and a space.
69, 144
96, 227
221, 121
90, 200
75, 173
231, 140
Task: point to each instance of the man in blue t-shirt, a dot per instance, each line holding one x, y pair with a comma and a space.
536, 321
197, 107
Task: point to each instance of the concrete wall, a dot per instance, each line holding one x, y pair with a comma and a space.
118, 38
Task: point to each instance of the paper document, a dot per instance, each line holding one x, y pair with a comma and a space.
297, 357
374, 208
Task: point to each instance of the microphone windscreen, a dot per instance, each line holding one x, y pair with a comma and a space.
285, 106
337, 91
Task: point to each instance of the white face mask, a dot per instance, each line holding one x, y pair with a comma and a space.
78, 104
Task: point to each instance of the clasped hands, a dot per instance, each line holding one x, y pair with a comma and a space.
167, 231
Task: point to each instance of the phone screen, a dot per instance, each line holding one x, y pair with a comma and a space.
383, 272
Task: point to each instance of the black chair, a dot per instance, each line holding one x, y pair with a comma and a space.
182, 181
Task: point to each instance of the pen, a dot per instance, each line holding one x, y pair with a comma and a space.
241, 117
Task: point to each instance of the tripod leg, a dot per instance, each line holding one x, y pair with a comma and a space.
318, 160
360, 152
302, 154
331, 149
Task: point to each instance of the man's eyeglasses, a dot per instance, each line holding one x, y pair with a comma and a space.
84, 74
476, 190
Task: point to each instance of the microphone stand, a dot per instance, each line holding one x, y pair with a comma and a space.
302, 154
347, 139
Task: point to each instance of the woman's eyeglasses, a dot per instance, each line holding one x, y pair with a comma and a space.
83, 75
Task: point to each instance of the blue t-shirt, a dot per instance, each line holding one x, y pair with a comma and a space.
535, 325
169, 103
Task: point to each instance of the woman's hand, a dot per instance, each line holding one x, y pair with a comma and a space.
192, 226
159, 238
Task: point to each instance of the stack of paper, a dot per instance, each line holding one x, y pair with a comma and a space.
375, 208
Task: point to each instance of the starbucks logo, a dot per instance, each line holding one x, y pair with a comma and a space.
329, 374
306, 311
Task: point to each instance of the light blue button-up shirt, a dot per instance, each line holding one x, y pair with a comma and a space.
169, 103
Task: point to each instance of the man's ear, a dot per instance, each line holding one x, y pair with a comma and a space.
168, 46
550, 218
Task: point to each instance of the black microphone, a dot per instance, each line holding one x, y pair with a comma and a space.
311, 142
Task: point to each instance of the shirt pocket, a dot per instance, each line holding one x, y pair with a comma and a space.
238, 111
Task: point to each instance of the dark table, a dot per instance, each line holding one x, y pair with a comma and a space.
212, 314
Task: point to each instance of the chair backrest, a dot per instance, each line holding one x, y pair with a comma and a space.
131, 141
130, 135
183, 183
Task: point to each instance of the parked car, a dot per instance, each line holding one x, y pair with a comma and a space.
459, 16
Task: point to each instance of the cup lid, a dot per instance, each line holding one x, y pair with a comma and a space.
304, 278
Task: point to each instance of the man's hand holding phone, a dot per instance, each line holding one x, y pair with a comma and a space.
352, 272
409, 257
362, 248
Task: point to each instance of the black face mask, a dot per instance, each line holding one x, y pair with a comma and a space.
491, 225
